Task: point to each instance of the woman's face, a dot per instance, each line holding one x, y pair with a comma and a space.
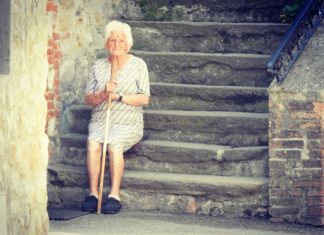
117, 44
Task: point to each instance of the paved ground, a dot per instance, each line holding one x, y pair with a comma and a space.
130, 223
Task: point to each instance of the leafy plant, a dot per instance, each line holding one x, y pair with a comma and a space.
291, 9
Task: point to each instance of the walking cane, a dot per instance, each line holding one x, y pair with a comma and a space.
104, 151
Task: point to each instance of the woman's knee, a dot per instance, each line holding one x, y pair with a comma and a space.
114, 152
94, 148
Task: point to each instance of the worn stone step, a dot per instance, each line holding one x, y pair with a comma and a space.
207, 69
223, 128
208, 98
202, 10
178, 157
203, 194
208, 37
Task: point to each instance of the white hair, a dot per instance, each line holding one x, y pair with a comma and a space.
115, 25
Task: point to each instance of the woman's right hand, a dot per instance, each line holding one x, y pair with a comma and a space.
111, 86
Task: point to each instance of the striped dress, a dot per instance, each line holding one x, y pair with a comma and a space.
126, 121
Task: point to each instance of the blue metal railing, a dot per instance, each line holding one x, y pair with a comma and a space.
296, 38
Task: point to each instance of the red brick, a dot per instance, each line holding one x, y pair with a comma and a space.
50, 60
49, 52
306, 184
287, 154
315, 220
285, 192
50, 42
57, 113
56, 63
56, 36
315, 192
49, 95
304, 115
287, 143
313, 144
57, 55
319, 108
286, 134
56, 82
282, 211
285, 201
50, 105
56, 45
314, 133
315, 211
310, 124
315, 154
311, 163
315, 201
51, 7
66, 35
51, 113
300, 105
56, 73
56, 91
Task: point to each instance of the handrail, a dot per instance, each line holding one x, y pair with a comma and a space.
296, 39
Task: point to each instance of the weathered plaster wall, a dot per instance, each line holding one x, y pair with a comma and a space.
23, 142
297, 139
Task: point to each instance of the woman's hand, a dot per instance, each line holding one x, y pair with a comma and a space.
114, 96
96, 98
101, 95
111, 86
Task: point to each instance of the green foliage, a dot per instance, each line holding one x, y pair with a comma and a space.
291, 9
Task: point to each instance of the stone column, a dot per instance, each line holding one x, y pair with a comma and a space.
23, 142
296, 162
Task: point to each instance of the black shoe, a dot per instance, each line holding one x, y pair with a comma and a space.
90, 204
111, 206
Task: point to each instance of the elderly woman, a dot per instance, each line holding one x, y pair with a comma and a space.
129, 92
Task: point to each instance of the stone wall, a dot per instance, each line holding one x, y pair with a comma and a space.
23, 142
297, 141
76, 33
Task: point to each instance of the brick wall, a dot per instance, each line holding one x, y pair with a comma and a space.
296, 146
296, 158
54, 56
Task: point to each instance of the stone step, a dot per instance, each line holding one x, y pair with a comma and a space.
168, 192
178, 157
207, 69
208, 37
208, 98
202, 10
223, 128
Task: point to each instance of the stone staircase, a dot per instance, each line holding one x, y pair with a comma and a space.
206, 128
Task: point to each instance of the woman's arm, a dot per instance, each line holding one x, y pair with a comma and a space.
99, 96
96, 98
135, 100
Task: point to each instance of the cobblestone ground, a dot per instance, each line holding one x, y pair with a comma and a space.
130, 223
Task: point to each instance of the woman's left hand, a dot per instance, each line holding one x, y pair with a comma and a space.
111, 86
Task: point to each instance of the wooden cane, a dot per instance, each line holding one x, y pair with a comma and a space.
104, 151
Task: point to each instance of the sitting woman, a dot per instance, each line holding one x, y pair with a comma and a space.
129, 92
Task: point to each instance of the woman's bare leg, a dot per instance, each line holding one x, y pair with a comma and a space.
94, 150
116, 164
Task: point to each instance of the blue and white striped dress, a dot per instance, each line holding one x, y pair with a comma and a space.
126, 121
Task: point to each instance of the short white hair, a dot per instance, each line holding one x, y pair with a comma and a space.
115, 25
